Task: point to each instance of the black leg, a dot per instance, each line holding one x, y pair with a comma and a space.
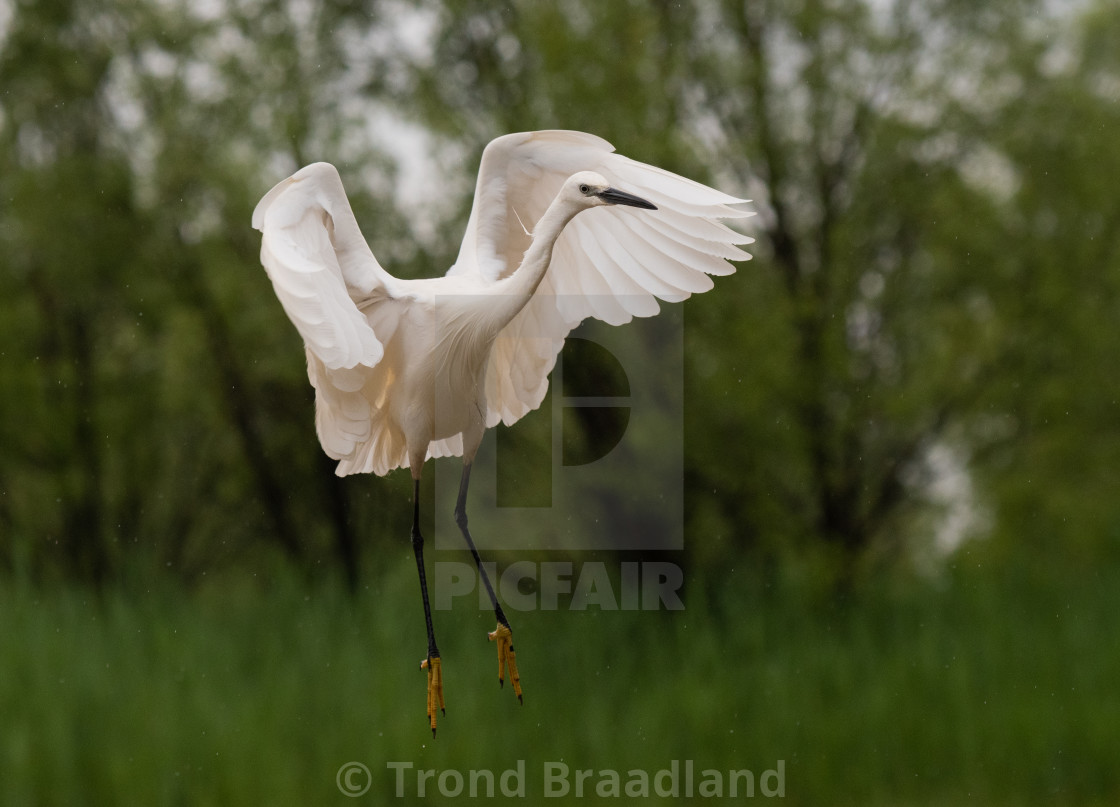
432, 662
461, 520
418, 550
503, 635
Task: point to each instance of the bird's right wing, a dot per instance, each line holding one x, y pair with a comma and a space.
322, 271
321, 267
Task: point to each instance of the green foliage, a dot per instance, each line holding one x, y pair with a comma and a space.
992, 687
156, 412
933, 297
1062, 401
922, 349
883, 327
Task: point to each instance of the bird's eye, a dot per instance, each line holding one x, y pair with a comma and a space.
584, 189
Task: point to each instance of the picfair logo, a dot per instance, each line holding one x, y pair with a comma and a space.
599, 465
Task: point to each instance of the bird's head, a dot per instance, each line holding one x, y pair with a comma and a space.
590, 189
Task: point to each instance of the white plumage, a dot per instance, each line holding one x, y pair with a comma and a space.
404, 370
394, 359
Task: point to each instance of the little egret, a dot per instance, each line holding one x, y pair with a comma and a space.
404, 370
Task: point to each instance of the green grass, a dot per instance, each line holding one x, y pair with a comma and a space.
992, 687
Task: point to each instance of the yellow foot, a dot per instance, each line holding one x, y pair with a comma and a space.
435, 689
506, 658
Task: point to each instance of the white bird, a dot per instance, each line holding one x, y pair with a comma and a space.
404, 370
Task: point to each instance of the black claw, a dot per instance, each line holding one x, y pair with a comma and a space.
501, 683
520, 700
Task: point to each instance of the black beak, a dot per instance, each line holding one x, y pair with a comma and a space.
616, 197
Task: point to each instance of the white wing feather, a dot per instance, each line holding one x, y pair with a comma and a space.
612, 264
321, 266
321, 269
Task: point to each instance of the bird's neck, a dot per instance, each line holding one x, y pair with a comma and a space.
516, 290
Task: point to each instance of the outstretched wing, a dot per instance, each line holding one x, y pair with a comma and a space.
322, 269
611, 263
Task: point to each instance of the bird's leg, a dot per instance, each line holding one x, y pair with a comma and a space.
503, 634
432, 662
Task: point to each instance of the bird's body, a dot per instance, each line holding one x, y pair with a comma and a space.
409, 369
427, 394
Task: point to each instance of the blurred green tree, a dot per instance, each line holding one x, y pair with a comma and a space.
848, 378
1053, 482
929, 321
155, 411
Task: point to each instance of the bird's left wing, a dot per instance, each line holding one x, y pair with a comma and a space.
611, 263
321, 267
